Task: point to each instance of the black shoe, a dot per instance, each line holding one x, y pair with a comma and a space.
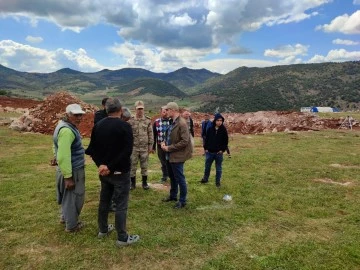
112, 207
163, 180
218, 184
145, 186
179, 205
132, 187
169, 199
203, 181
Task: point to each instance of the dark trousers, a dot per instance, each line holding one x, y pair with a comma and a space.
209, 159
119, 185
177, 180
162, 157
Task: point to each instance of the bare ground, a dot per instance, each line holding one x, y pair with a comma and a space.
44, 115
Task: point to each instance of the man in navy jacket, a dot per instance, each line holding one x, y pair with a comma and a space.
216, 143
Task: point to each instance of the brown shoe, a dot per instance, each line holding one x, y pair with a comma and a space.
77, 228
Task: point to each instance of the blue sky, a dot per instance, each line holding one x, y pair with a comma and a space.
165, 35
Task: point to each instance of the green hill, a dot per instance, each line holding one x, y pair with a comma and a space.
284, 88
150, 86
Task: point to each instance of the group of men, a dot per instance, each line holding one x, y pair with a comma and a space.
118, 142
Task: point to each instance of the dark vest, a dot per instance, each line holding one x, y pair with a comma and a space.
77, 150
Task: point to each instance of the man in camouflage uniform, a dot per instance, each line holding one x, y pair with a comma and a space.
143, 142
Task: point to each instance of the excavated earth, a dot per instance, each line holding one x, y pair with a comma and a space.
42, 117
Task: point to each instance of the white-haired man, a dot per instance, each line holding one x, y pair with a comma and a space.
70, 173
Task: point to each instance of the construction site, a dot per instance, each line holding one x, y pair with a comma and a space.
42, 117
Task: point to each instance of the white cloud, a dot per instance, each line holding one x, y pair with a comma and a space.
344, 24
27, 58
291, 60
356, 2
336, 56
345, 42
32, 39
159, 59
225, 65
165, 60
182, 21
287, 51
174, 24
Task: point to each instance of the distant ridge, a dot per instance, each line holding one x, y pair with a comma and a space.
285, 87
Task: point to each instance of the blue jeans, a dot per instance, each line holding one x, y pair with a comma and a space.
209, 159
177, 180
119, 185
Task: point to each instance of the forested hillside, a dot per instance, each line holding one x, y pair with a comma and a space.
284, 88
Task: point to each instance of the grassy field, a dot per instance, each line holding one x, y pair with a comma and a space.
295, 206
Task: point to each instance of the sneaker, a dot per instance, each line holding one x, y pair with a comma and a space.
203, 181
131, 240
103, 234
169, 199
179, 205
217, 184
145, 186
77, 228
132, 187
229, 156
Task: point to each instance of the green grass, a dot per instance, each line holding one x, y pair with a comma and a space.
285, 212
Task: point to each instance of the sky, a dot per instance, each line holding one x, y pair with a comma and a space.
165, 35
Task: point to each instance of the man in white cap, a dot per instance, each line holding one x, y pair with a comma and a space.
70, 173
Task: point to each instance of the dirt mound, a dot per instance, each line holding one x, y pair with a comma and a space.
43, 117
270, 121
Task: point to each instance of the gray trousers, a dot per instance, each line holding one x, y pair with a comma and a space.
71, 201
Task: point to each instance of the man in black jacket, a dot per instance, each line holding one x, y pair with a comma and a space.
100, 114
216, 143
110, 148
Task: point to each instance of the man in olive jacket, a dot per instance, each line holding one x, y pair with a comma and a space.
178, 148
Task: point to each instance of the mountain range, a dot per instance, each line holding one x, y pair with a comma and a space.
285, 87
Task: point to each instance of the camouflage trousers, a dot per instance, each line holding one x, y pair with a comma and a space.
143, 156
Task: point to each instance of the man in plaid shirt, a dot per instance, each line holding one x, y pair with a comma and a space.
159, 128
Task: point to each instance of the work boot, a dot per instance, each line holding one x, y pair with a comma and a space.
144, 182
133, 182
